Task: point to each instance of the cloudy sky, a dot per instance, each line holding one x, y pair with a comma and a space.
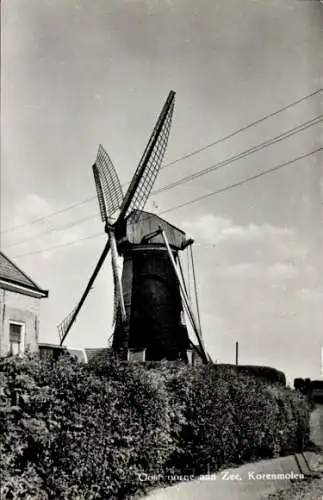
77, 73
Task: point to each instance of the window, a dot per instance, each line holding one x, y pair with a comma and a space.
136, 354
189, 354
183, 321
16, 338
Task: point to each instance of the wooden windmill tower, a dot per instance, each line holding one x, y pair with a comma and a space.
149, 293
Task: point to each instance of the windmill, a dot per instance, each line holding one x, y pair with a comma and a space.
148, 278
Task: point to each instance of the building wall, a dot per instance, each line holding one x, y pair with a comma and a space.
21, 308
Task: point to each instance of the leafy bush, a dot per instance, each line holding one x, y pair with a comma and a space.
265, 373
206, 438
292, 420
76, 431
312, 389
303, 385
85, 431
317, 391
231, 418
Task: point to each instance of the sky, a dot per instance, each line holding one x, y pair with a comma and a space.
77, 73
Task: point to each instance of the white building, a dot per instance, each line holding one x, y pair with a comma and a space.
19, 309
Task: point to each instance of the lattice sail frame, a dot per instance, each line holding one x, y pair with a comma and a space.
63, 326
107, 185
152, 159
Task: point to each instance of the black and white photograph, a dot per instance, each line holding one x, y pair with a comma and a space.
161, 250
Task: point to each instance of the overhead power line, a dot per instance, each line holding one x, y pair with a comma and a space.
45, 217
96, 235
243, 181
246, 127
54, 229
181, 158
254, 149
195, 200
244, 154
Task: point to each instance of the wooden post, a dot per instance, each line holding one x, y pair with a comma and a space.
237, 353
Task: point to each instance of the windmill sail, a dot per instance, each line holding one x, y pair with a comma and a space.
110, 196
118, 300
63, 326
115, 300
150, 162
107, 184
118, 292
69, 320
99, 193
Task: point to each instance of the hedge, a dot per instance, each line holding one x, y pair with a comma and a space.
75, 431
312, 389
265, 373
232, 418
85, 432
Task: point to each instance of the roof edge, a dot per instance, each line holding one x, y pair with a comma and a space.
22, 272
159, 217
22, 286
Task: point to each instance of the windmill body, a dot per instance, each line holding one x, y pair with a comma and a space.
155, 321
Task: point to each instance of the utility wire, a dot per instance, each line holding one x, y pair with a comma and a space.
244, 154
240, 183
70, 207
53, 229
242, 129
254, 149
195, 200
60, 246
181, 158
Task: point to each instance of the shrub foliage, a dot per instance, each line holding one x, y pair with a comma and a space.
75, 431
312, 389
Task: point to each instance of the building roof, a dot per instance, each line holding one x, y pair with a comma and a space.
11, 273
140, 224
